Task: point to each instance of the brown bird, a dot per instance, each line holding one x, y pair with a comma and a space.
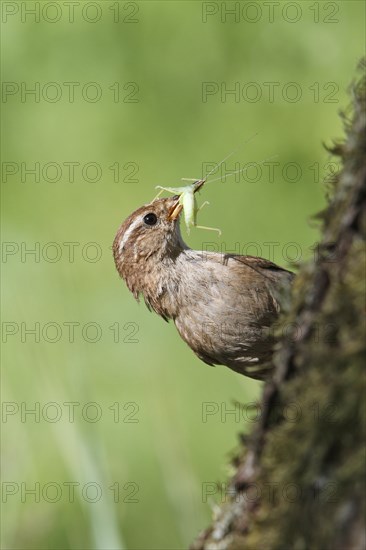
223, 305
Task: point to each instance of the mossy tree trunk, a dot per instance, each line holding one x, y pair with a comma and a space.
299, 481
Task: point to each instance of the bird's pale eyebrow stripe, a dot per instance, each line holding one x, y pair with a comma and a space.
127, 234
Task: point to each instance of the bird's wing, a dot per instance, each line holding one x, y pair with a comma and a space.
260, 265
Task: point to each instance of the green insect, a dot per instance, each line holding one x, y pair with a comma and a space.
187, 199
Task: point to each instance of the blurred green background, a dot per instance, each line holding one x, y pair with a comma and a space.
138, 391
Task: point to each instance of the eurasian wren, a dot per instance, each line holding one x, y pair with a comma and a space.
223, 305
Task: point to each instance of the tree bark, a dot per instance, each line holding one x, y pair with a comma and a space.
299, 476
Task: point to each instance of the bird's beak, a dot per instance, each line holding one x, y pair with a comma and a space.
175, 210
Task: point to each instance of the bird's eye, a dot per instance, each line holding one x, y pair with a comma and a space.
150, 219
